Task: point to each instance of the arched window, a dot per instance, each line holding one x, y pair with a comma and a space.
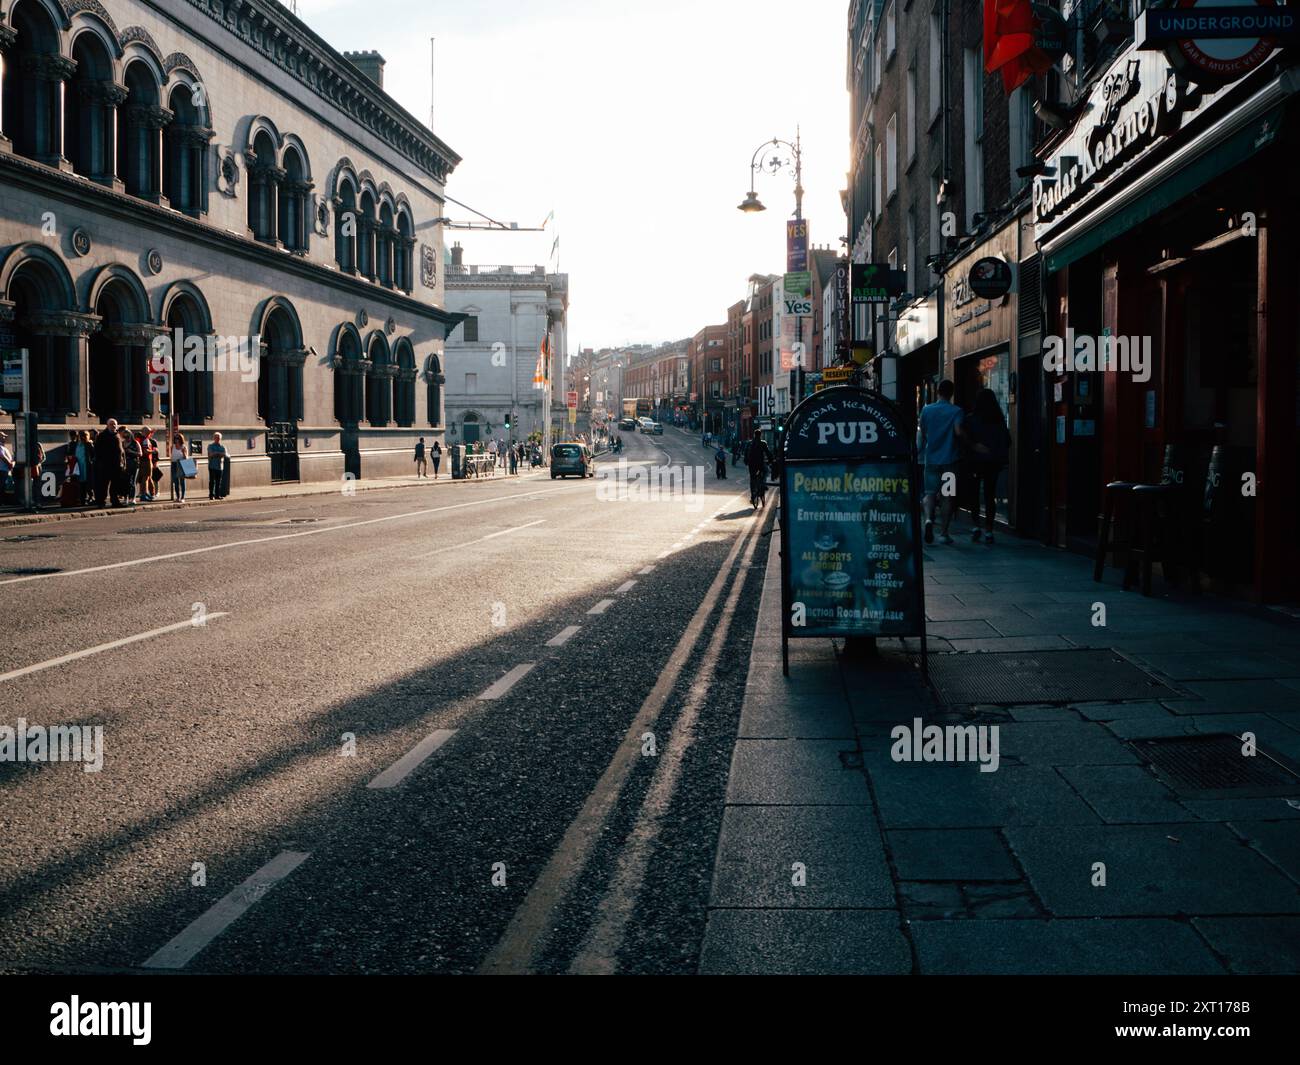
43, 321
139, 134
185, 163
379, 383
404, 386
34, 75
119, 352
384, 240
345, 229
434, 379
295, 192
194, 358
264, 178
349, 380
90, 112
279, 382
405, 257
366, 223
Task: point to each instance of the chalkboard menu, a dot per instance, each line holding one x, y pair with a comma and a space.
851, 543
851, 561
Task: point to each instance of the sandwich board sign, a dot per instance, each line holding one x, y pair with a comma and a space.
851, 561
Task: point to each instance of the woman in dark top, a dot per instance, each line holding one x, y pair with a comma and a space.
990, 444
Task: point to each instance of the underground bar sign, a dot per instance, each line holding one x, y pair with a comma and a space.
851, 557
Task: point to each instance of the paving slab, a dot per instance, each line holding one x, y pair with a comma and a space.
1254, 945
1237, 696
1090, 948
1063, 742
842, 855
804, 943
794, 773
1278, 841
1126, 794
933, 796
1164, 870
1212, 665
963, 854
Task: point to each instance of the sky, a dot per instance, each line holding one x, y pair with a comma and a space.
635, 122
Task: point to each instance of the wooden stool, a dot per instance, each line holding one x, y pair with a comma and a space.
1106, 540
1151, 502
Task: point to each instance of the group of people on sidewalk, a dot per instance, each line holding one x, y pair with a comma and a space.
119, 467
424, 455
957, 447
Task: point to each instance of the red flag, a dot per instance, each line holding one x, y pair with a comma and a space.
1009, 42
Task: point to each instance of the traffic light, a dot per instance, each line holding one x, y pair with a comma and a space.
510, 418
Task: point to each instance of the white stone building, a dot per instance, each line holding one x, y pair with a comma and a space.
492, 358
214, 166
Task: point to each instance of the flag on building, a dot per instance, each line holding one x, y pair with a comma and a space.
1011, 42
543, 371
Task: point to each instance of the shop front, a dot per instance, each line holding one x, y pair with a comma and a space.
1168, 231
916, 370
980, 350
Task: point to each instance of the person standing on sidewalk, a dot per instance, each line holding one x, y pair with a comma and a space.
178, 474
132, 452
218, 460
437, 458
990, 443
110, 462
421, 465
940, 433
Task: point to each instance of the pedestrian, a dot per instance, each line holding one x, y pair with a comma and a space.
421, 466
437, 457
720, 463
940, 435
218, 464
989, 445
758, 457
135, 454
110, 464
6, 468
86, 467
514, 462
178, 472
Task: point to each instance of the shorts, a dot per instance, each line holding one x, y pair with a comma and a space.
934, 477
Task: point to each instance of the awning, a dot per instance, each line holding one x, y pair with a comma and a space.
1235, 150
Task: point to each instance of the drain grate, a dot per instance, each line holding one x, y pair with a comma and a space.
26, 538
32, 571
188, 527
1005, 679
1211, 765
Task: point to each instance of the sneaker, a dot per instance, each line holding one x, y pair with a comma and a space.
988, 538
929, 532
946, 539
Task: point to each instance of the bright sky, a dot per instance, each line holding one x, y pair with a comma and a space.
635, 121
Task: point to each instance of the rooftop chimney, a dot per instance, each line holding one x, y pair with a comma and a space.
457, 255
371, 64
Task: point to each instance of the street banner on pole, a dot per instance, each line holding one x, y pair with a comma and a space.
796, 245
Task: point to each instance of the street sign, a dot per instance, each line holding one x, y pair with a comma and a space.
157, 384
876, 283
837, 374
571, 400
990, 278
851, 548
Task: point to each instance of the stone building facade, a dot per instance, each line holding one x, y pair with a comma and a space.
492, 358
213, 173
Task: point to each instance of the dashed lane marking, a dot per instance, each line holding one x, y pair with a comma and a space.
565, 636
501, 688
600, 608
623, 589
646, 572
204, 929
63, 659
411, 760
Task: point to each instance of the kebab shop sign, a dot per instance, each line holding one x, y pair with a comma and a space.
852, 563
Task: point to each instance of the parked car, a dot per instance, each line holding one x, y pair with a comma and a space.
656, 429
572, 460
627, 424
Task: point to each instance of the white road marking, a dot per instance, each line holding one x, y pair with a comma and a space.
480, 540
273, 539
526, 935
205, 928
600, 608
599, 952
501, 688
62, 659
411, 760
646, 572
623, 589
565, 636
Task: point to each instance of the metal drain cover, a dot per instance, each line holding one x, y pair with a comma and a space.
188, 527
26, 538
1216, 766
32, 571
1004, 679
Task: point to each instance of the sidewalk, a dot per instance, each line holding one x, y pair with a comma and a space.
1077, 855
15, 516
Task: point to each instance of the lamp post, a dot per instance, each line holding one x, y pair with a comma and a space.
770, 157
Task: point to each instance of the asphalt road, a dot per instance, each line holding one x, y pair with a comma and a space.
391, 685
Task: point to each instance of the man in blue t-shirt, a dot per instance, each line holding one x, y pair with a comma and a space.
941, 429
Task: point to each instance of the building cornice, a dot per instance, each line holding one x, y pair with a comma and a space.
46, 180
286, 41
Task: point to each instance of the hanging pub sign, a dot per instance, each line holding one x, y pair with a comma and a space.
1217, 43
850, 521
876, 283
842, 330
990, 278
